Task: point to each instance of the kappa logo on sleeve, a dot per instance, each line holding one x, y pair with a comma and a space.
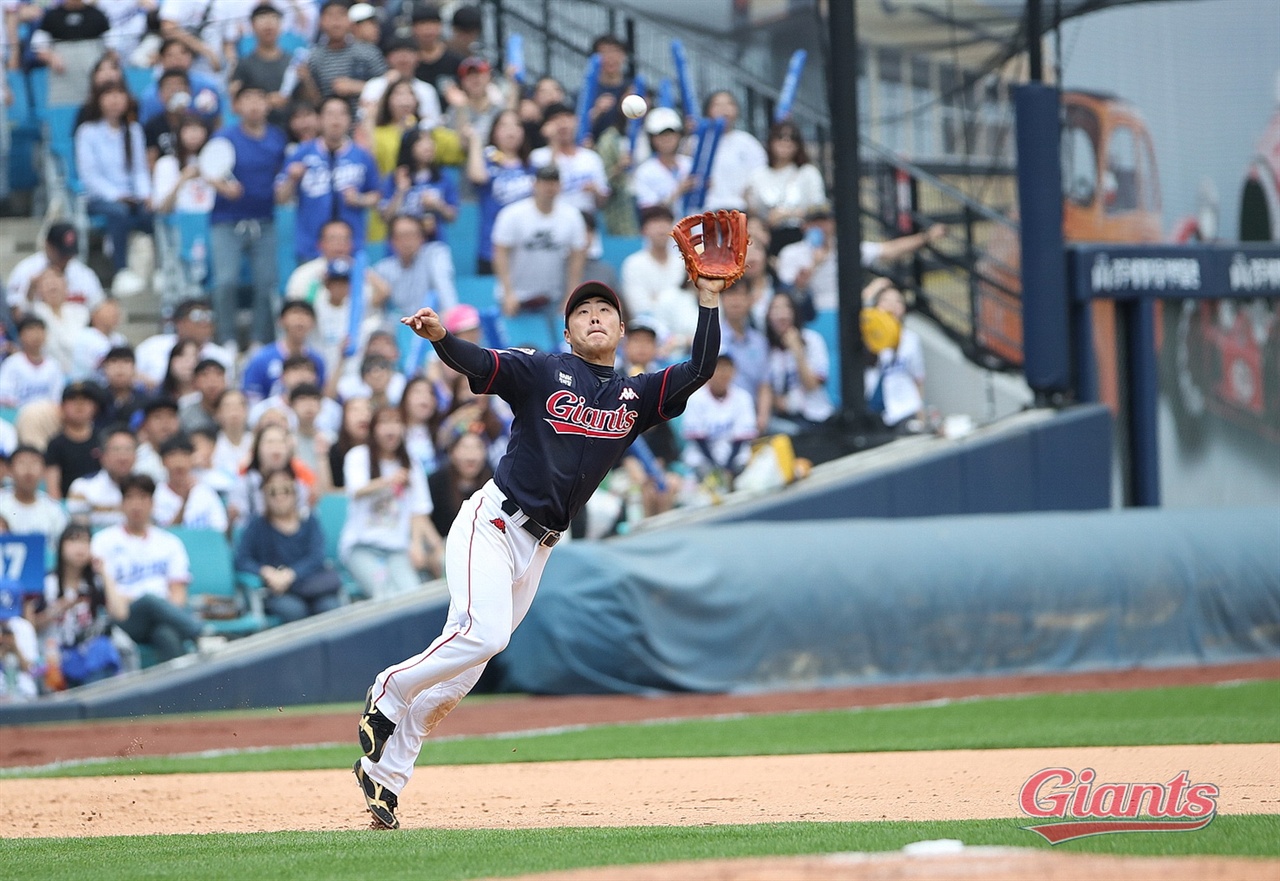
628, 394
1088, 808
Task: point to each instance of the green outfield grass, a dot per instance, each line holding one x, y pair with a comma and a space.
422, 855
1236, 713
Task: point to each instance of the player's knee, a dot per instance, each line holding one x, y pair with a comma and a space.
490, 641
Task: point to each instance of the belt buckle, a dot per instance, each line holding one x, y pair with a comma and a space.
549, 539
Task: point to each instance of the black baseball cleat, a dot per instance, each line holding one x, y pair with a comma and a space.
375, 729
380, 801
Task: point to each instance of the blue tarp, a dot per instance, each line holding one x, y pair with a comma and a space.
842, 602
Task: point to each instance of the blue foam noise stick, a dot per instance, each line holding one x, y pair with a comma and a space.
587, 97
634, 126
666, 93
687, 94
703, 172
357, 303
649, 463
790, 83
515, 57
491, 326
700, 143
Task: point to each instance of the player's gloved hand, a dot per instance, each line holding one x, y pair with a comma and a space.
713, 245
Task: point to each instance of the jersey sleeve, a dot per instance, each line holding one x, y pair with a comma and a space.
672, 387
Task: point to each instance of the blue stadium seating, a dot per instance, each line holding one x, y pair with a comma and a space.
213, 575
827, 324
331, 511
475, 290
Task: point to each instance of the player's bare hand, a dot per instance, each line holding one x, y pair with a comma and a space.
710, 285
426, 324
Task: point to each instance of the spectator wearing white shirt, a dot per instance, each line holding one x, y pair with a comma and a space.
98, 495
24, 505
783, 191
895, 382
61, 245
192, 320
656, 268
234, 442
738, 156
333, 305
27, 375
718, 425
203, 27
663, 178
181, 499
402, 58
63, 320
298, 370
94, 341
208, 380
539, 248
150, 568
584, 182
798, 369
388, 537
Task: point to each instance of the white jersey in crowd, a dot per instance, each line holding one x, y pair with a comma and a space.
428, 99
719, 421
142, 565
203, 508
738, 157
576, 171
380, 519
784, 378
93, 491
644, 279
91, 346
62, 331
22, 382
43, 515
652, 183
195, 196
333, 326
903, 372
794, 188
82, 283
540, 246
152, 357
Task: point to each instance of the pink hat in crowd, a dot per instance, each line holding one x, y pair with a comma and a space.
461, 318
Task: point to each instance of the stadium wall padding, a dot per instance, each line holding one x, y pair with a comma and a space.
762, 606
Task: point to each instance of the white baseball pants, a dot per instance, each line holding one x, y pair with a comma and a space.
493, 572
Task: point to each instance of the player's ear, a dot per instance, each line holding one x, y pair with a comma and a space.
566, 334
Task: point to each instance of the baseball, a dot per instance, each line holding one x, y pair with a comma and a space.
633, 107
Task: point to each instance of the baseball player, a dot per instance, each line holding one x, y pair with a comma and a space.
574, 419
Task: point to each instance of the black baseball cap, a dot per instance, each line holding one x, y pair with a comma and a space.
426, 12
80, 391
64, 239
557, 109
467, 18
586, 291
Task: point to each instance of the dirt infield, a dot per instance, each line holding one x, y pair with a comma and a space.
845, 787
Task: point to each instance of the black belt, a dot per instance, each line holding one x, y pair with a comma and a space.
545, 537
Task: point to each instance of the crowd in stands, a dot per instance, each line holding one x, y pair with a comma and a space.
374, 124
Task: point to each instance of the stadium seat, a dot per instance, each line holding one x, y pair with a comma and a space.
474, 290
331, 511
464, 237
827, 324
213, 575
138, 79
618, 248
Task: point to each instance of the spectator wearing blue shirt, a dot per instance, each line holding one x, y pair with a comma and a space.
417, 187
242, 218
332, 178
262, 373
502, 174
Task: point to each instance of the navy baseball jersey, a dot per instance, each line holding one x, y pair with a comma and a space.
573, 419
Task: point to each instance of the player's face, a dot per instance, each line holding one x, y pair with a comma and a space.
594, 330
